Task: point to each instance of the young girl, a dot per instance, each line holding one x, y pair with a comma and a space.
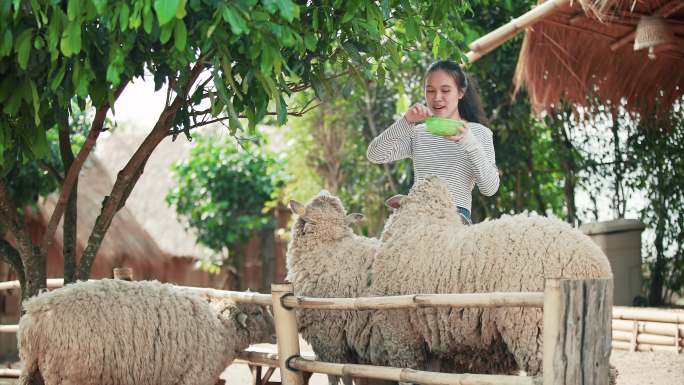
462, 160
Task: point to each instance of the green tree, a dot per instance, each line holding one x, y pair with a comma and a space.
224, 190
527, 158
220, 61
656, 160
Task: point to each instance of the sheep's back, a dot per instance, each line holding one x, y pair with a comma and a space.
116, 332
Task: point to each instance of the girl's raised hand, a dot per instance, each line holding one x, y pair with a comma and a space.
417, 113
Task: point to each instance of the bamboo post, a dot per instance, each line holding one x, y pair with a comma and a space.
286, 334
123, 273
492, 40
551, 319
578, 342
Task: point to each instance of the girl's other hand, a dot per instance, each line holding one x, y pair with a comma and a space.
417, 113
463, 131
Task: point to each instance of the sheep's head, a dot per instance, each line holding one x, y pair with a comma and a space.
253, 323
324, 216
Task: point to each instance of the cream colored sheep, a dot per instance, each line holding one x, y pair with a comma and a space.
426, 249
125, 333
326, 259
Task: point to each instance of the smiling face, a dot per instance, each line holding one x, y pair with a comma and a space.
442, 94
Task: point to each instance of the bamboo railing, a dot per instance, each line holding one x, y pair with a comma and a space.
648, 330
569, 357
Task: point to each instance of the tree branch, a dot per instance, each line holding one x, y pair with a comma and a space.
129, 175
71, 214
72, 174
9, 217
12, 257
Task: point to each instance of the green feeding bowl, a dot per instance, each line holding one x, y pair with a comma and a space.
443, 126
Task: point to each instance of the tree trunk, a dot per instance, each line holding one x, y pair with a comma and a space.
129, 175
35, 268
70, 214
655, 294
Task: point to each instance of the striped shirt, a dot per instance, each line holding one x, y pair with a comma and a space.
462, 165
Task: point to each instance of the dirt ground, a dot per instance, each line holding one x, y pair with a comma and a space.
640, 368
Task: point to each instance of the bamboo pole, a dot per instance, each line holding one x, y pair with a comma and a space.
519, 299
10, 373
622, 345
551, 319
492, 40
286, 334
406, 375
123, 273
644, 338
660, 328
9, 328
237, 296
629, 313
52, 283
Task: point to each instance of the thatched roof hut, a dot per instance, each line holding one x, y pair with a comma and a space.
147, 201
587, 47
126, 242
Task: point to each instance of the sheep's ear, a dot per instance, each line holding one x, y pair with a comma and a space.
297, 208
242, 320
395, 201
353, 218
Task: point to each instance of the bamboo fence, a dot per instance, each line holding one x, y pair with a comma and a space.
568, 305
637, 329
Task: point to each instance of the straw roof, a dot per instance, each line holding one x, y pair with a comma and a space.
586, 48
147, 201
125, 239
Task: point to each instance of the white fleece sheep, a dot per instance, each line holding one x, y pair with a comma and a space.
426, 249
326, 259
125, 333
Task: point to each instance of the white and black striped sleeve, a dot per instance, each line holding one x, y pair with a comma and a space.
395, 143
479, 148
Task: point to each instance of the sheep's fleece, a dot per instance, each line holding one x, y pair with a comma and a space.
124, 333
426, 249
326, 259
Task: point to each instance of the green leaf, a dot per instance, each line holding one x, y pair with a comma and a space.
180, 11
73, 9
270, 5
123, 17
310, 42
237, 23
36, 102
100, 6
435, 45
23, 47
165, 34
412, 32
71, 39
58, 77
288, 9
180, 35
6, 43
148, 19
166, 10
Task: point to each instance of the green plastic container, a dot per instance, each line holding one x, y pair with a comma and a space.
443, 126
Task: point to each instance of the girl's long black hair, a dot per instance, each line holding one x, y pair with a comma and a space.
470, 105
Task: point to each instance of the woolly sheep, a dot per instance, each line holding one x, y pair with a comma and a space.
326, 259
145, 332
426, 249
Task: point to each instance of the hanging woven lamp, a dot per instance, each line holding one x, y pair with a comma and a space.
651, 32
